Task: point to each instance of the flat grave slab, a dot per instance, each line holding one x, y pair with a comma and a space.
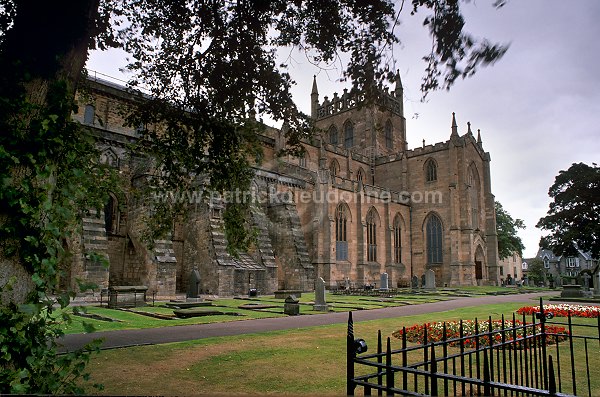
186, 305
257, 306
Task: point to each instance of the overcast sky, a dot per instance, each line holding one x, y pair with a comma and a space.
538, 108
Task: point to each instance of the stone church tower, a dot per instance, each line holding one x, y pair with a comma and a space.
357, 204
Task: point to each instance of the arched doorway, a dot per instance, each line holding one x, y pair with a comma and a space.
479, 260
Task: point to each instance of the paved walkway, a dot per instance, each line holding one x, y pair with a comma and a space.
149, 336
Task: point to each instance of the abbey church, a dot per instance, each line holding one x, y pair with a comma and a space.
357, 204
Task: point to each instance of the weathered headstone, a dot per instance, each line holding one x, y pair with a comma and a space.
422, 281
430, 279
384, 282
347, 283
414, 282
194, 284
320, 303
291, 306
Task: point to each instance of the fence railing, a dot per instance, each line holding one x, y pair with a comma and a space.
491, 357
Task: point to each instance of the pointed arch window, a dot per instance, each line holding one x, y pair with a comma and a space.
372, 235
334, 168
397, 239
89, 114
360, 175
389, 133
434, 236
341, 237
348, 134
333, 135
430, 171
473, 180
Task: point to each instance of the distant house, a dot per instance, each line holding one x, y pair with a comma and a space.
511, 266
562, 267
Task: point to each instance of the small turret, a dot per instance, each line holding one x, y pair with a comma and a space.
469, 128
479, 137
314, 99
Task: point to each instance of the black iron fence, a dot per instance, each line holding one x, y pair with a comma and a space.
535, 356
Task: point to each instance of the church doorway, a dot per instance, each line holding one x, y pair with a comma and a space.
479, 258
478, 270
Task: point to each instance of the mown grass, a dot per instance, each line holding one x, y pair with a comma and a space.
302, 361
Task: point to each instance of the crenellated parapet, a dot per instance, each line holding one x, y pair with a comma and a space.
347, 101
390, 100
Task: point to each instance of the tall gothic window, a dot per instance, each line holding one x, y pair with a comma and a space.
341, 238
333, 135
473, 180
389, 142
372, 235
430, 171
397, 240
348, 134
89, 114
434, 235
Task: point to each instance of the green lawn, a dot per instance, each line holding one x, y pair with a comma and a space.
301, 361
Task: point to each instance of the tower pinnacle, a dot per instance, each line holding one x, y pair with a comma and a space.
314, 99
454, 126
398, 90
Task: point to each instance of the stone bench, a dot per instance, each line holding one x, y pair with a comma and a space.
126, 296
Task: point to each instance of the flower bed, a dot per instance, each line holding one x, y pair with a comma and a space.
415, 333
562, 310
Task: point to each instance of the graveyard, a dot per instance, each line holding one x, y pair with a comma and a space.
262, 361
154, 314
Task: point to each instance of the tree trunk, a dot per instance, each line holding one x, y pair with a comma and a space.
48, 41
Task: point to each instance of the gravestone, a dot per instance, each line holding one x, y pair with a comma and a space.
347, 283
384, 282
430, 279
414, 282
422, 281
291, 306
320, 303
194, 284
586, 281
